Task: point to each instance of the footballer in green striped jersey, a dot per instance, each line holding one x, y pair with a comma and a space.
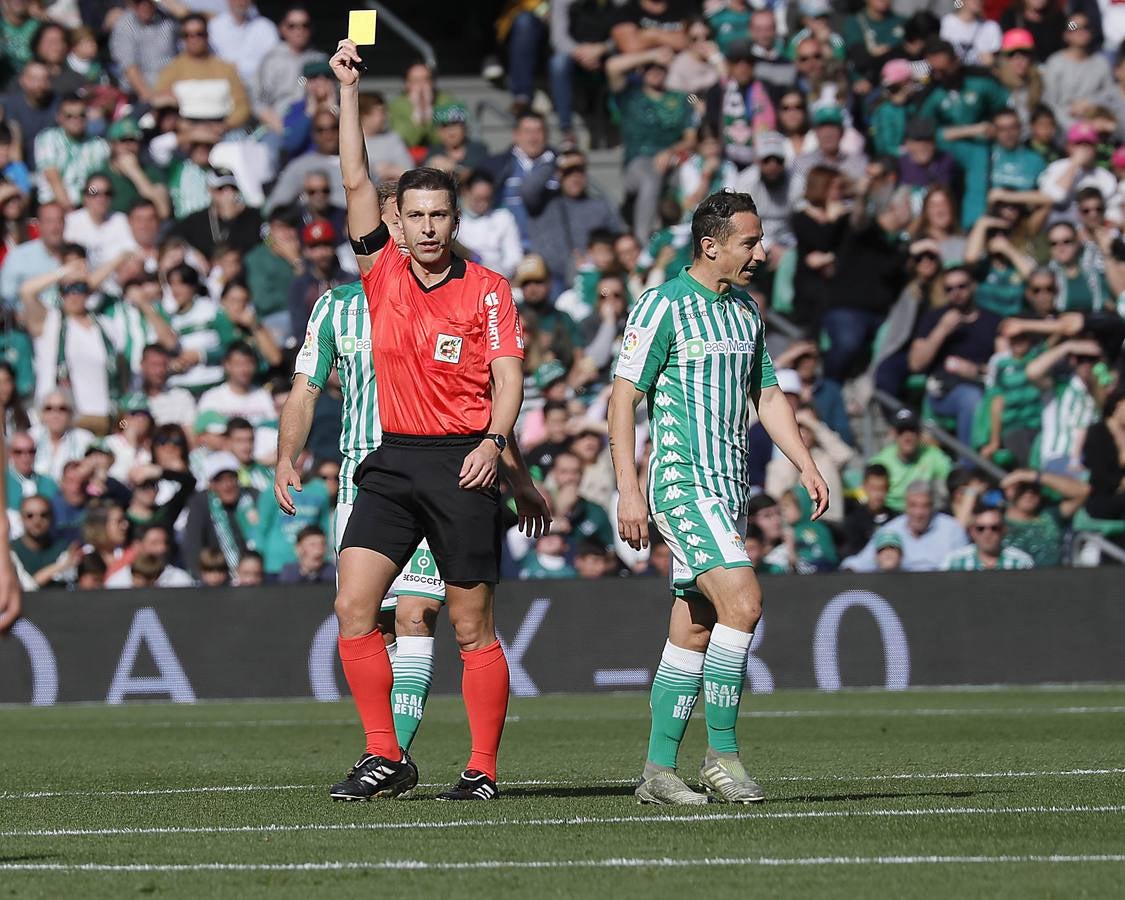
694, 349
338, 338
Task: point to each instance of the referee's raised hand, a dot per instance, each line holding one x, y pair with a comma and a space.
346, 63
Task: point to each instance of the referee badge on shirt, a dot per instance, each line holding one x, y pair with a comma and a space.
448, 349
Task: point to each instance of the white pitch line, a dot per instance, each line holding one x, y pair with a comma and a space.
554, 782
413, 865
749, 714
566, 822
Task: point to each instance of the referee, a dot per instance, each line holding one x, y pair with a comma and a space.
447, 351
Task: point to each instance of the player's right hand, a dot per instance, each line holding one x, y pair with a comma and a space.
286, 477
346, 63
632, 521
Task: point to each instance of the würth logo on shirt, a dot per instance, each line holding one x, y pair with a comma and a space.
492, 303
448, 349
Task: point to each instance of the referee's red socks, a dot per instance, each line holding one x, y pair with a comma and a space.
368, 670
484, 685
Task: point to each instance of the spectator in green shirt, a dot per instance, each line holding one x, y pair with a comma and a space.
1033, 526
1016, 407
43, 555
730, 22
907, 459
130, 180
271, 268
869, 36
411, 113
17, 30
999, 268
657, 127
962, 106
1012, 166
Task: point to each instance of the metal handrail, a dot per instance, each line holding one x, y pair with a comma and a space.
1092, 537
943, 437
404, 31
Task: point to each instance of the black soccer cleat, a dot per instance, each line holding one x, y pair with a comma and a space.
373, 777
473, 785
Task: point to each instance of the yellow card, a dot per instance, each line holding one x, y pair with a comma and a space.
361, 26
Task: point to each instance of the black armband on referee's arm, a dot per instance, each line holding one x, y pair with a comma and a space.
372, 242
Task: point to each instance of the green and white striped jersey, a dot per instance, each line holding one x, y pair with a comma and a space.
1070, 410
966, 559
698, 356
339, 336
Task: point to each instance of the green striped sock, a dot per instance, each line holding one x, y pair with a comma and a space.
413, 667
724, 667
674, 692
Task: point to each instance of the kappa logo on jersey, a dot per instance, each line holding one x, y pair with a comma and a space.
697, 348
701, 556
448, 348
675, 492
693, 540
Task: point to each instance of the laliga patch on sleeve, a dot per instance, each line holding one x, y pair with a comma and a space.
361, 26
632, 341
448, 349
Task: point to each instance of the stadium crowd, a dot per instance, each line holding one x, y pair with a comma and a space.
942, 188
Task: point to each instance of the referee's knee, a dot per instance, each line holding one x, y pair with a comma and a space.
356, 615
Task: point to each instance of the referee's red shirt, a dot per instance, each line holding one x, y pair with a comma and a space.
433, 347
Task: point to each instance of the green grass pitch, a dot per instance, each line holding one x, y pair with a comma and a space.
991, 793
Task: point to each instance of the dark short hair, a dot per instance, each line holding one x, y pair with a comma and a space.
140, 203
753, 532
475, 177
758, 503
1088, 193
309, 531
712, 218
238, 424
239, 347
601, 236
921, 25
426, 178
1042, 110
91, 564
959, 267
589, 547
936, 45
251, 554
386, 189
193, 17
156, 348
187, 274
554, 406
530, 114
876, 470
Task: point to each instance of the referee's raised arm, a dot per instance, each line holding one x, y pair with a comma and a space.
364, 224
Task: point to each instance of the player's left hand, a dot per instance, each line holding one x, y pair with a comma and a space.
813, 482
479, 468
533, 510
11, 600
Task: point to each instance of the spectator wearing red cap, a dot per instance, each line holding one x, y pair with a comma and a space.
1077, 73
322, 273
1063, 179
888, 119
1044, 20
1019, 73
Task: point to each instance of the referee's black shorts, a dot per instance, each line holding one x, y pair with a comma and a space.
408, 489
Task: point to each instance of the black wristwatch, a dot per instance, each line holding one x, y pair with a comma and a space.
498, 439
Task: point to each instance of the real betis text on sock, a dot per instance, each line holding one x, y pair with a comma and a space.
675, 689
724, 667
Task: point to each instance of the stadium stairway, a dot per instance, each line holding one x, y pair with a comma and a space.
492, 122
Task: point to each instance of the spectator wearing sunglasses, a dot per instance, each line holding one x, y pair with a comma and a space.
66, 156
563, 213
185, 74
44, 555
987, 550
1082, 287
953, 347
